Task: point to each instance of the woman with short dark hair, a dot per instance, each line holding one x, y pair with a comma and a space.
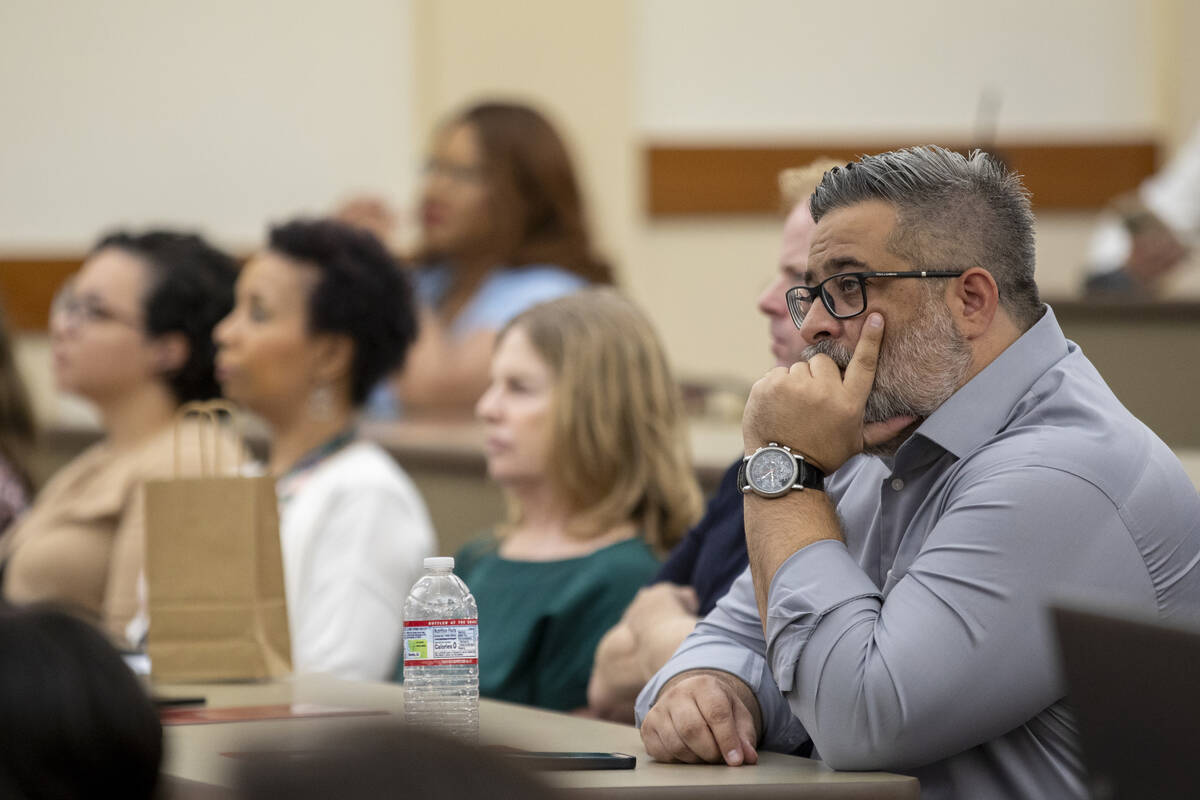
321, 315
131, 333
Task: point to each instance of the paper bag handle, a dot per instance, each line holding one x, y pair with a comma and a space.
210, 411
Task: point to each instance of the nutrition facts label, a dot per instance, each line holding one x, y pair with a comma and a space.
436, 642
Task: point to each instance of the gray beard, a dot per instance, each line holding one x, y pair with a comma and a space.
920, 366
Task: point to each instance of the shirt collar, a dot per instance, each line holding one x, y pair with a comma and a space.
981, 408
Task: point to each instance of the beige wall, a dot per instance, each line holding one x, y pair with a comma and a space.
227, 114
220, 114
776, 70
782, 68
1177, 23
618, 74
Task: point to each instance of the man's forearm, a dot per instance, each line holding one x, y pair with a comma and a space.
778, 527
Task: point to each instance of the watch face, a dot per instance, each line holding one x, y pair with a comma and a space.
771, 471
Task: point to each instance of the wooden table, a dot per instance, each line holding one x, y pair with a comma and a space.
195, 767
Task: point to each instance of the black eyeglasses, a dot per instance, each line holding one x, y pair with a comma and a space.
845, 295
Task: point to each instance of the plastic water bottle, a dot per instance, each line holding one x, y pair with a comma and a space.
441, 653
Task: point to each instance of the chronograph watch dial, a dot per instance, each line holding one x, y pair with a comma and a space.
774, 471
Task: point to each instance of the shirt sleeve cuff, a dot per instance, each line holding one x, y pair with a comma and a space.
812, 582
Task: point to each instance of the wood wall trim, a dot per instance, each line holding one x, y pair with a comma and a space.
27, 285
686, 180
1119, 310
741, 179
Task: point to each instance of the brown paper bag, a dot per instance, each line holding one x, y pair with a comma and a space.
214, 571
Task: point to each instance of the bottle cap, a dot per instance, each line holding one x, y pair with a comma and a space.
439, 562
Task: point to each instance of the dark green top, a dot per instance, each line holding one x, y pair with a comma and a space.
540, 621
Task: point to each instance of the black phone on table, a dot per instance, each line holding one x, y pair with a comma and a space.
567, 760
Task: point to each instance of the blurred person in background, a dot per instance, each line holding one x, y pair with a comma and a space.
322, 314
586, 434
700, 570
131, 333
502, 228
76, 722
1144, 237
16, 433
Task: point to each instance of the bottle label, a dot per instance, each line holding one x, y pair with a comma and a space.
441, 642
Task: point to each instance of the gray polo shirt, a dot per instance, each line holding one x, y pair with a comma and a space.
922, 644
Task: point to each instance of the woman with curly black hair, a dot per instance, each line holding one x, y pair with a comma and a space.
321, 315
131, 333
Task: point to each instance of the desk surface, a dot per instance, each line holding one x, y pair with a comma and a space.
194, 751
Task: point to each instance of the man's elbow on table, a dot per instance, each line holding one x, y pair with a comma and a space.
855, 743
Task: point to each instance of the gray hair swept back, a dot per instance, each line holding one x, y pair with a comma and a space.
952, 212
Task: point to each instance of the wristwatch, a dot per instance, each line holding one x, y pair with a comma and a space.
774, 471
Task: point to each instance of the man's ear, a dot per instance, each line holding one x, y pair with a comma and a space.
172, 352
333, 355
974, 298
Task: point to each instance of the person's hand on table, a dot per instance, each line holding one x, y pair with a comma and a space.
1154, 248
703, 716
1154, 251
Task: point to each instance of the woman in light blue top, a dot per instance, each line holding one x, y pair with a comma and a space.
502, 230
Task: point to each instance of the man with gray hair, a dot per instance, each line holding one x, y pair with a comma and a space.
978, 467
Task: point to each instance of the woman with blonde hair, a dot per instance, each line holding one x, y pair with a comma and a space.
585, 432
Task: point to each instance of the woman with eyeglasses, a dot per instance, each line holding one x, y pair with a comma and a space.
132, 334
502, 228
